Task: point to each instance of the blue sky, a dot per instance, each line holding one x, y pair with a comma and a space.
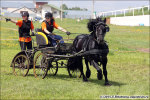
99, 5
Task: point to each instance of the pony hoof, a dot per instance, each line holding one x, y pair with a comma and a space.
88, 73
100, 75
107, 84
85, 80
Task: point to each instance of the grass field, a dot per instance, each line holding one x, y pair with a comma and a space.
128, 66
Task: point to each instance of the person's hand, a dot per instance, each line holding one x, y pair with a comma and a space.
68, 33
32, 34
50, 33
8, 19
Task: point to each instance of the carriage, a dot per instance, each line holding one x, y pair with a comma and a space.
48, 58
43, 58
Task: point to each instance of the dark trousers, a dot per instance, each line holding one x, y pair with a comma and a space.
25, 45
54, 38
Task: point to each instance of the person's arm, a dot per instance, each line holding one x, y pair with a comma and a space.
13, 21
58, 27
32, 29
46, 31
63, 30
8, 19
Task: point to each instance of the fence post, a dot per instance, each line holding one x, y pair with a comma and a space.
143, 11
133, 11
124, 12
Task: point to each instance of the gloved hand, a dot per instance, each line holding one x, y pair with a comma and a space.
68, 33
8, 19
32, 34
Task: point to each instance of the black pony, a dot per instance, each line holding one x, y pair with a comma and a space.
94, 41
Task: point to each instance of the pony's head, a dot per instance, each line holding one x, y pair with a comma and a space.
98, 27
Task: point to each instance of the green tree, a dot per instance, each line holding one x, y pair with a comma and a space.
76, 8
64, 7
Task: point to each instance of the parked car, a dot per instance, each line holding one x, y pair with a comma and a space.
37, 18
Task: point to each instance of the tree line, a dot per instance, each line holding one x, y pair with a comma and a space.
64, 7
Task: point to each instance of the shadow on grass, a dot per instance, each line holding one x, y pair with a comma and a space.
59, 76
102, 82
94, 81
68, 78
30, 75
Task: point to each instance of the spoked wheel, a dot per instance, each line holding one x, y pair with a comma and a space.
40, 66
74, 74
21, 65
53, 67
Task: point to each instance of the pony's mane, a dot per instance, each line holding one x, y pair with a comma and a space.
93, 22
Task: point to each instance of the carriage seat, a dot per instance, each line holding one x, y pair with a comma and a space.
42, 40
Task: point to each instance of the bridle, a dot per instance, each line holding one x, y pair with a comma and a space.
98, 25
101, 23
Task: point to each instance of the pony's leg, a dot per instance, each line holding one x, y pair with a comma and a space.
104, 63
81, 69
88, 72
82, 73
96, 66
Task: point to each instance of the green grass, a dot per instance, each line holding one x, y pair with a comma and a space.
128, 68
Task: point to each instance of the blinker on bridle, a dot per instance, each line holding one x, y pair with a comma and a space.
102, 23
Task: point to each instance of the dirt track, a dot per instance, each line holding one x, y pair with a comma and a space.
146, 50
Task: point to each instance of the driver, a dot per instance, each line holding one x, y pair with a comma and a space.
48, 26
25, 26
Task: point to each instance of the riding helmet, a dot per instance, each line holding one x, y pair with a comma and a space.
25, 14
48, 15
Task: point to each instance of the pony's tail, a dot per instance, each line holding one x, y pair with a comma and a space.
74, 63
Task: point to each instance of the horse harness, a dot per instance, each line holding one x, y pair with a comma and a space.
92, 51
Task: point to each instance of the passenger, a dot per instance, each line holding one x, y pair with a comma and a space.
48, 26
25, 26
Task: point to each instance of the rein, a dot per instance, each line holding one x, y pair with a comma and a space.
93, 52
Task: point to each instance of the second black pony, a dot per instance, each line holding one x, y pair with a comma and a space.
96, 45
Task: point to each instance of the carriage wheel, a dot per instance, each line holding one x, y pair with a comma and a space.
53, 65
21, 65
40, 66
74, 74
